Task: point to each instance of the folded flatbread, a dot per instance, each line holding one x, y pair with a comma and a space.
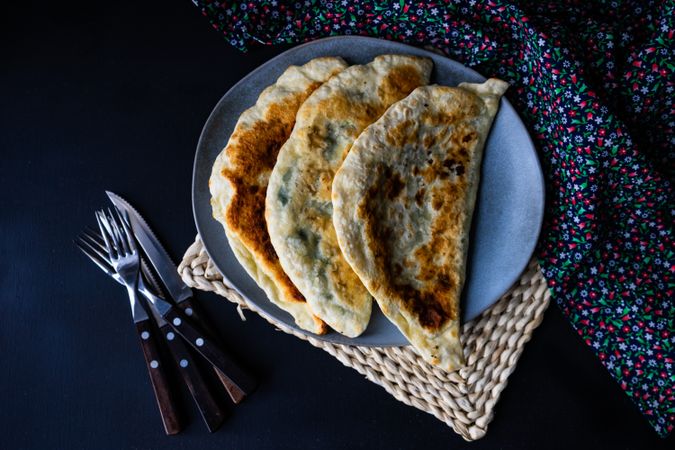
239, 178
403, 202
298, 207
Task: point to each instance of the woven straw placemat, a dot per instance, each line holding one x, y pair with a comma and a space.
464, 399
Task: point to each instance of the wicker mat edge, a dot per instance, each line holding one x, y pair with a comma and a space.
464, 399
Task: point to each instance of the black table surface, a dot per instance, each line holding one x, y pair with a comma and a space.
113, 95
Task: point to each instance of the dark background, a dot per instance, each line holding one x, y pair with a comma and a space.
113, 95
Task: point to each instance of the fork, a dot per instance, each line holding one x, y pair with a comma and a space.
91, 245
124, 256
123, 263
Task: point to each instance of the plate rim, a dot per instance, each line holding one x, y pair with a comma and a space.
343, 340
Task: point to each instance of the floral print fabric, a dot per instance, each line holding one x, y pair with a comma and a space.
593, 81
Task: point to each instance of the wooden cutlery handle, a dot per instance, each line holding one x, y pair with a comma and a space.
204, 345
190, 309
158, 376
211, 413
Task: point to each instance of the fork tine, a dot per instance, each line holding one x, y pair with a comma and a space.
131, 240
105, 232
113, 233
92, 251
121, 240
81, 244
94, 237
95, 246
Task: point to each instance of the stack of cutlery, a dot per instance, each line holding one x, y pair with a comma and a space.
125, 248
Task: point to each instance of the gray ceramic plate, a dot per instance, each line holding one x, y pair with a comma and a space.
508, 214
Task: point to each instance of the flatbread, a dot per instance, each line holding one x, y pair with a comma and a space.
298, 207
403, 202
239, 177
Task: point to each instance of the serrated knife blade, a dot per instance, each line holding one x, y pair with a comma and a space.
154, 250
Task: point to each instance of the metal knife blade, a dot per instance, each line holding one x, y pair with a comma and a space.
150, 277
158, 257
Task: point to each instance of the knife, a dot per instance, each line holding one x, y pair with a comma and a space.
213, 416
177, 289
237, 383
211, 412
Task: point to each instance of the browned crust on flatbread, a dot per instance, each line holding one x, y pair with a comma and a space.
401, 81
436, 303
254, 153
404, 78
299, 197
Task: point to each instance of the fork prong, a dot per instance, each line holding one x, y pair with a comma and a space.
116, 230
82, 245
113, 233
106, 233
121, 240
94, 238
131, 240
94, 246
